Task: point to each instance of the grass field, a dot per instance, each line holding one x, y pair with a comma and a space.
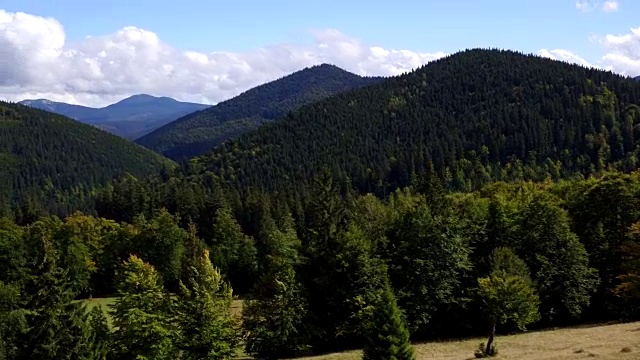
595, 342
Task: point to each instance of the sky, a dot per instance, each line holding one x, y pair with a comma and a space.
97, 52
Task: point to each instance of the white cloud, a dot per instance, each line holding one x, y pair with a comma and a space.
583, 5
36, 61
589, 5
622, 52
610, 6
565, 55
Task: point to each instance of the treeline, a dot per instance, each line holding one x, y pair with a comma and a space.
324, 277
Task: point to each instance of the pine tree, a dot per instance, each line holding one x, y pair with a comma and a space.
208, 330
141, 314
386, 337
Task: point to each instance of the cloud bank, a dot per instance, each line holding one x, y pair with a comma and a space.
37, 61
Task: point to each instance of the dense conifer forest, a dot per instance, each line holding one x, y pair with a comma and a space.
52, 163
196, 133
488, 192
478, 115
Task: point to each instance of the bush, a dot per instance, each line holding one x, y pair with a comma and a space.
481, 352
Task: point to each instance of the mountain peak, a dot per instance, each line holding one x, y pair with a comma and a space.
131, 117
196, 133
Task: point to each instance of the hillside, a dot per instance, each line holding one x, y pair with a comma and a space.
616, 341
197, 133
130, 118
478, 115
43, 154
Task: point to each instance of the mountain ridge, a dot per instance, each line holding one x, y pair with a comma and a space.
469, 114
198, 132
131, 117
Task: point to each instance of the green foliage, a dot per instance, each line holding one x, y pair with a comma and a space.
143, 327
508, 297
12, 320
386, 336
556, 258
101, 339
160, 241
55, 325
274, 320
603, 211
428, 256
505, 260
629, 287
233, 252
482, 352
203, 313
197, 133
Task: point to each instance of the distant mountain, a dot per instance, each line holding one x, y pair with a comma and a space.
197, 133
477, 116
637, 78
130, 118
44, 156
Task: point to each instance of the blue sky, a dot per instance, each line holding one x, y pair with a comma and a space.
97, 52
421, 25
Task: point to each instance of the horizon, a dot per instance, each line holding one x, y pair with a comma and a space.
95, 55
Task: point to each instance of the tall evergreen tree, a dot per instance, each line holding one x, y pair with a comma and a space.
274, 319
208, 329
56, 326
144, 330
386, 336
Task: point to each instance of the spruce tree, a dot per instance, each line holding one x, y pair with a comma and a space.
141, 314
56, 326
274, 320
208, 330
101, 333
386, 337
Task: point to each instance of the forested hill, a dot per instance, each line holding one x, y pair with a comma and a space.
478, 115
46, 155
197, 133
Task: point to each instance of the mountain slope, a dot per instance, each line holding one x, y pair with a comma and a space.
43, 154
129, 118
197, 133
477, 116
